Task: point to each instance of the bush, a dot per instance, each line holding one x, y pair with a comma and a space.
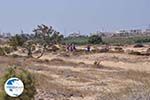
148, 50
143, 40
103, 50
17, 40
119, 49
95, 39
134, 53
15, 56
97, 64
8, 49
5, 50
82, 40
2, 53
27, 79
138, 46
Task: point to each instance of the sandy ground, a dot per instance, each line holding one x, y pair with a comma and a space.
77, 78
124, 61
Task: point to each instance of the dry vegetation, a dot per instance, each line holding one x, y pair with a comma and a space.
111, 74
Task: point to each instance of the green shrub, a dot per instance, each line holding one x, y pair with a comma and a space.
17, 40
27, 79
95, 39
2, 52
138, 46
148, 50
118, 49
8, 49
82, 40
134, 53
103, 50
97, 64
5, 50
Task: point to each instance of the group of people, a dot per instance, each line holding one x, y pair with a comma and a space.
72, 48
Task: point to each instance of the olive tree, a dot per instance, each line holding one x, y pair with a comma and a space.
43, 37
95, 39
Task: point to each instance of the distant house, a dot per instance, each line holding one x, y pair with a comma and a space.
122, 31
103, 34
127, 33
5, 35
75, 35
136, 31
147, 32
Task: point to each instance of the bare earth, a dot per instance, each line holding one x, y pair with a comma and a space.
118, 77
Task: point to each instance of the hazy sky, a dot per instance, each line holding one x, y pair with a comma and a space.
74, 15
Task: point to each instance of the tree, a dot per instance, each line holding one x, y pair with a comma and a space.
48, 34
45, 36
17, 40
95, 39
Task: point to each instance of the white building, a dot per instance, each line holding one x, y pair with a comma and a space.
147, 30
75, 35
136, 31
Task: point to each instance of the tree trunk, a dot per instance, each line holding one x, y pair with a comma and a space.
29, 52
42, 53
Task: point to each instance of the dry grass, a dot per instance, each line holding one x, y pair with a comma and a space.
138, 90
86, 76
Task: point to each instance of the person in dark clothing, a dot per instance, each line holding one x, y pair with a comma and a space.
73, 47
88, 48
68, 47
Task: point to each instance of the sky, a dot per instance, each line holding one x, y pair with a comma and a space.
68, 16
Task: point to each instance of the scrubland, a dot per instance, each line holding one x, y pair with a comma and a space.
87, 76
